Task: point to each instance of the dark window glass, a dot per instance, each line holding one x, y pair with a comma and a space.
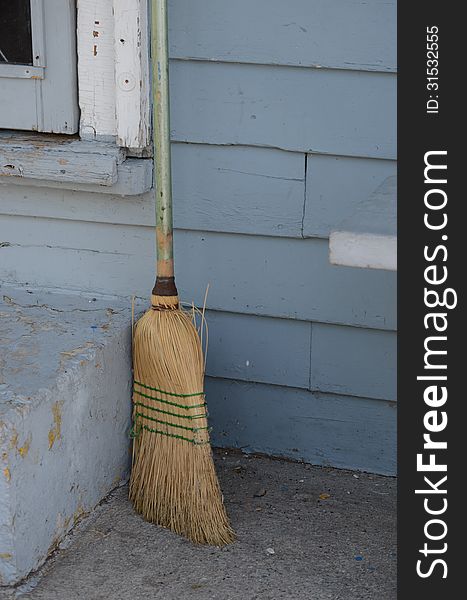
15, 32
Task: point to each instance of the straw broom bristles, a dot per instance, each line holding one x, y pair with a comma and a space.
173, 480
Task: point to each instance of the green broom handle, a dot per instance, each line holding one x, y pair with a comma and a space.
165, 284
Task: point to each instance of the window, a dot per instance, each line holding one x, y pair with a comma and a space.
38, 80
15, 33
75, 67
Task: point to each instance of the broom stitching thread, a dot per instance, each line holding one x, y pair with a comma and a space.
193, 429
168, 402
135, 433
148, 387
171, 414
173, 435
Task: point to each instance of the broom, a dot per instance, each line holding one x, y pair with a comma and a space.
173, 481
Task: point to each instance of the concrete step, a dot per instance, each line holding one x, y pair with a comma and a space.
65, 383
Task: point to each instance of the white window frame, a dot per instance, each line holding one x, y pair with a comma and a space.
113, 82
36, 71
112, 41
43, 96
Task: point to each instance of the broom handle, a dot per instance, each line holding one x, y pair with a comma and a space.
165, 282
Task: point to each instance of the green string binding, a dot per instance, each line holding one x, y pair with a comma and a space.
170, 414
135, 430
174, 435
193, 429
169, 393
137, 427
184, 406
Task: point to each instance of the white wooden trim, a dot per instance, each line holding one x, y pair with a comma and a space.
364, 250
134, 177
59, 159
96, 70
132, 73
368, 238
113, 75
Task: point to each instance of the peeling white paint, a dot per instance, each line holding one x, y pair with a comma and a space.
113, 71
67, 161
96, 59
132, 73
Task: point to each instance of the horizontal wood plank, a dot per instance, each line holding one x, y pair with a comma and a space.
259, 349
238, 189
323, 429
257, 191
322, 33
216, 188
254, 275
331, 112
60, 158
335, 186
284, 278
99, 169
57, 200
354, 361
376, 214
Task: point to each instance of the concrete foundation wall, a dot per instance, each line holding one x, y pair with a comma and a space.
65, 388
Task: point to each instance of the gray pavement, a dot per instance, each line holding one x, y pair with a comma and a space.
304, 533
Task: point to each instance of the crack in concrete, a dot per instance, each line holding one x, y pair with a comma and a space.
11, 302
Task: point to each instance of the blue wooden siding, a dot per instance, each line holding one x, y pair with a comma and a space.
355, 361
278, 277
340, 34
239, 189
283, 120
326, 111
335, 185
259, 349
324, 429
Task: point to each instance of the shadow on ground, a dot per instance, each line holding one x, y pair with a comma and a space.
304, 533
